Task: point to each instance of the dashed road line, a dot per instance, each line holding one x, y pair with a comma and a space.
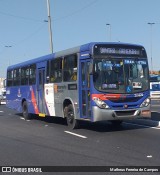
22, 118
155, 127
77, 135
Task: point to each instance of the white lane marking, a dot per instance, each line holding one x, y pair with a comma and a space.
1, 111
149, 156
22, 118
145, 126
155, 127
68, 132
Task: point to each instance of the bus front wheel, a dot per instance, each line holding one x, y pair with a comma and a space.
69, 114
25, 113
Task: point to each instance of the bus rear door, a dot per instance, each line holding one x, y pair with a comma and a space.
40, 87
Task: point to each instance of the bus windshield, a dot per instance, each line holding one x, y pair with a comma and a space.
120, 75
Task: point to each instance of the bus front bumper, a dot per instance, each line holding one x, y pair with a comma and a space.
108, 114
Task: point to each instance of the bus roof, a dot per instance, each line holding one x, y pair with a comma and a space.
81, 48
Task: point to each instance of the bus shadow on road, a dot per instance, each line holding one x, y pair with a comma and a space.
155, 116
46, 119
102, 126
107, 126
86, 125
52, 120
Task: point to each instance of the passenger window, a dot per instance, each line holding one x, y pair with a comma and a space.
10, 78
56, 70
17, 76
70, 68
24, 75
32, 74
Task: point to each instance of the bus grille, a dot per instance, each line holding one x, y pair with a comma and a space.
130, 106
125, 113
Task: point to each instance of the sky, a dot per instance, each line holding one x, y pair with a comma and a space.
24, 34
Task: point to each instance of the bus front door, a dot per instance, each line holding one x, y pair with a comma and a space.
40, 90
85, 109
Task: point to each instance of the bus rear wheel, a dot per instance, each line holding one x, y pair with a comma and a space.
69, 114
25, 113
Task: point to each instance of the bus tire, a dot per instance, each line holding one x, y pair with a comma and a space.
25, 113
69, 114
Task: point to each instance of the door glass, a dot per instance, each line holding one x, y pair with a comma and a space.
41, 103
83, 75
85, 89
87, 74
84, 103
89, 108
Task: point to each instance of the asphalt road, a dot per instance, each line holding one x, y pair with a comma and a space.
51, 143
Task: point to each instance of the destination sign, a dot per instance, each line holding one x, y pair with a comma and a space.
104, 50
113, 49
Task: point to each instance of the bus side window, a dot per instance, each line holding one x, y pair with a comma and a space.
24, 75
17, 76
70, 68
48, 72
32, 74
10, 78
56, 70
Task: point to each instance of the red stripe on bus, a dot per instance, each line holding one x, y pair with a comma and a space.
34, 101
106, 96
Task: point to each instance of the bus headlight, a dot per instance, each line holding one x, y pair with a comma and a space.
145, 103
100, 103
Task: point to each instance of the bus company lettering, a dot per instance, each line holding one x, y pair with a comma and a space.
59, 88
72, 87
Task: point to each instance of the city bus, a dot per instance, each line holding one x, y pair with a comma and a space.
93, 82
155, 86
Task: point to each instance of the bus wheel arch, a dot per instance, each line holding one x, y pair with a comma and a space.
69, 114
